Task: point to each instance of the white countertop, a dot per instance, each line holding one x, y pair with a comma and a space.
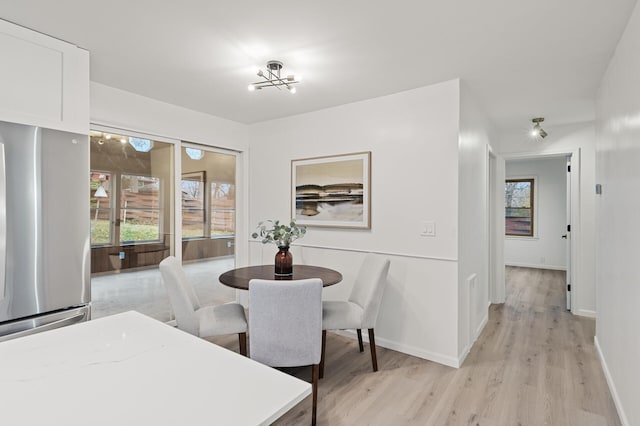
129, 369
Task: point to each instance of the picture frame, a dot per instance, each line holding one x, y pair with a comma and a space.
332, 191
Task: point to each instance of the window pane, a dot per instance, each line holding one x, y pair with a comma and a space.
208, 203
141, 145
100, 207
139, 208
223, 204
223, 222
193, 205
140, 192
519, 207
139, 225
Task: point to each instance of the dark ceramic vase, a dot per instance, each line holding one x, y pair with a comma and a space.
284, 262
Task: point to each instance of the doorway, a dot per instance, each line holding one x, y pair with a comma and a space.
541, 202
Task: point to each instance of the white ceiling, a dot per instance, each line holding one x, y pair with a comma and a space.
520, 59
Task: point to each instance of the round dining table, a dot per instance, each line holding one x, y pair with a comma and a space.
239, 278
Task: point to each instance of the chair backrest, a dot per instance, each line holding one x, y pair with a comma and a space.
181, 295
285, 322
369, 286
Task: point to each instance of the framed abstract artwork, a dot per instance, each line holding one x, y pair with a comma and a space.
332, 191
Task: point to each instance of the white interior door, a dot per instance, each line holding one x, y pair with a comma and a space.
567, 235
497, 291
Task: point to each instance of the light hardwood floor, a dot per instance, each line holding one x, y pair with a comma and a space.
534, 364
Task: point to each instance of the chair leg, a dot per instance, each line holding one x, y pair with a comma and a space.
359, 331
372, 345
242, 338
324, 345
315, 372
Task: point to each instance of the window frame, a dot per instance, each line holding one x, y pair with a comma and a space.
533, 203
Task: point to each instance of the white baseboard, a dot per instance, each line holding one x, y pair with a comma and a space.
481, 327
536, 266
585, 313
465, 352
612, 386
447, 360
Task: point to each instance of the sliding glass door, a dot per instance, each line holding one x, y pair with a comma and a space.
136, 198
208, 188
132, 201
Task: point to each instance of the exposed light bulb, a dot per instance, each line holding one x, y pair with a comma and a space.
107, 136
535, 132
292, 89
251, 87
123, 141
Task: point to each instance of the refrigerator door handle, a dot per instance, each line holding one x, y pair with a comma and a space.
3, 223
49, 326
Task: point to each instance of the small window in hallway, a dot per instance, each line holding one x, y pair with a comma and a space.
518, 199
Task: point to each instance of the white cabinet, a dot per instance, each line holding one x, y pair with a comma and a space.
43, 81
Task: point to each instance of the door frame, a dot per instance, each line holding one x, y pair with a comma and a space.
574, 241
495, 227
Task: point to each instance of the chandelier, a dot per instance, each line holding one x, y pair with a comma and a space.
272, 78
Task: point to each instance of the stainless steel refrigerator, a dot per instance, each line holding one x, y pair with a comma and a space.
44, 229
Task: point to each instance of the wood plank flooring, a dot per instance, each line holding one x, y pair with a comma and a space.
534, 364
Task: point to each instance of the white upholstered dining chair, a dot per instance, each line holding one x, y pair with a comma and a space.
201, 321
285, 325
361, 309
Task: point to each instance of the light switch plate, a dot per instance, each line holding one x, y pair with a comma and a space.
428, 228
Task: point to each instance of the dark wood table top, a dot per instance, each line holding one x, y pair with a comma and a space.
239, 278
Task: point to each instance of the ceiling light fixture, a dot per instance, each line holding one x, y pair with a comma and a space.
537, 130
272, 78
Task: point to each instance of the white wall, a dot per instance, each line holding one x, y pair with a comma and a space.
128, 111
413, 138
473, 293
547, 249
618, 277
580, 139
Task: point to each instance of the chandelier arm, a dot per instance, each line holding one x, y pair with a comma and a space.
275, 83
267, 82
